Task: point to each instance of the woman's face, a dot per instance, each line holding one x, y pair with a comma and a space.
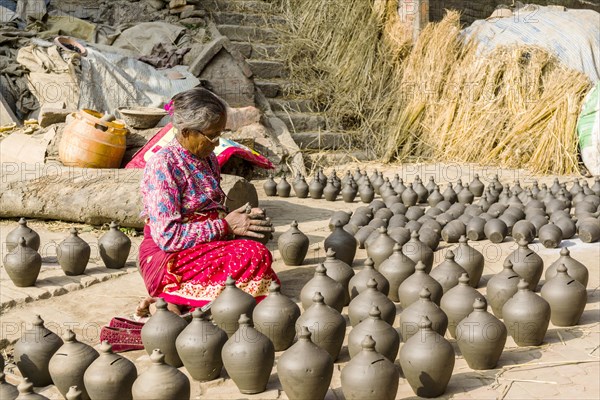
199, 143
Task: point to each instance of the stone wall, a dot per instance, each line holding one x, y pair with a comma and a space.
479, 9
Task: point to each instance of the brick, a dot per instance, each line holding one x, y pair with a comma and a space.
193, 13
52, 115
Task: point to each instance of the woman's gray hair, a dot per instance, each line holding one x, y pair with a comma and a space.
197, 109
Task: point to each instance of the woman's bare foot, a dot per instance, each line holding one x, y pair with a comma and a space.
147, 307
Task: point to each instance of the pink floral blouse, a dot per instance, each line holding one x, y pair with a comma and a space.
177, 184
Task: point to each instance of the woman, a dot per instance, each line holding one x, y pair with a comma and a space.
188, 248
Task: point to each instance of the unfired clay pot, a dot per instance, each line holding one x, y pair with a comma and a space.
293, 245
575, 269
283, 187
566, 296
315, 188
161, 331
471, 260
110, 376
386, 337
199, 346
270, 187
476, 186
457, 303
408, 291
73, 254
526, 316
301, 188
275, 317
114, 247
418, 251
161, 381
396, 269
229, 305
361, 305
427, 361
495, 230
332, 291
381, 248
550, 235
448, 272
343, 243
527, 264
23, 265
523, 229
307, 363
32, 239
339, 271
358, 283
410, 317
248, 357
369, 375
502, 287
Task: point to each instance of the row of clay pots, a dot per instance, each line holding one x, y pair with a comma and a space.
23, 262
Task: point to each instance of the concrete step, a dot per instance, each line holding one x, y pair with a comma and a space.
293, 105
334, 158
252, 34
256, 50
238, 18
242, 6
323, 140
300, 122
268, 69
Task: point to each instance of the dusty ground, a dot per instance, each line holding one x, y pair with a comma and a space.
566, 366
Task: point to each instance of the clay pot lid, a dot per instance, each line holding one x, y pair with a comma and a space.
420, 266
562, 269
38, 320
22, 222
244, 320
74, 231
565, 251
449, 255
70, 44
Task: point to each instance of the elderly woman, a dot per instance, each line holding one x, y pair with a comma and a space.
189, 248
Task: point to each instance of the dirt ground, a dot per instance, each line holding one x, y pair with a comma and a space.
566, 366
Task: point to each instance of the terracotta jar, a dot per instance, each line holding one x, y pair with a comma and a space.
339, 271
161, 331
23, 265
67, 366
502, 287
408, 291
283, 187
114, 247
32, 239
427, 354
575, 269
481, 337
526, 316
396, 269
358, 283
199, 347
470, 259
7, 391
332, 291
457, 303
369, 375
248, 347
293, 245
33, 351
326, 324
411, 316
361, 305
566, 296
418, 251
448, 272
381, 248
307, 363
73, 254
527, 264
26, 392
110, 376
229, 305
161, 381
343, 243
275, 317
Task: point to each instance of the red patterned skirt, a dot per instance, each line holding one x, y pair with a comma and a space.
194, 277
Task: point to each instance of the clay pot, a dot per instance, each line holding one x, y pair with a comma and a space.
396, 269
526, 316
386, 337
33, 351
229, 305
524, 230
362, 235
427, 361
465, 196
114, 247
307, 363
321, 176
361, 305
7, 391
161, 331
453, 231
470, 260
300, 188
422, 192
567, 227
589, 231
110, 376
293, 245
369, 375
566, 296
332, 291
457, 303
340, 272
502, 287
342, 217
326, 324
448, 272
270, 187
435, 197
429, 237
248, 347
199, 346
475, 229
381, 248
495, 230
409, 196
349, 192
411, 316
343, 243
32, 239
450, 195
26, 392
161, 381
550, 235
358, 283
330, 191
476, 186
283, 187
315, 188
23, 265
366, 192
275, 317
408, 291
481, 337
73, 254
527, 264
67, 366
418, 251
575, 269
75, 394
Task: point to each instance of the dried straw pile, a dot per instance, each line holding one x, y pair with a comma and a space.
438, 99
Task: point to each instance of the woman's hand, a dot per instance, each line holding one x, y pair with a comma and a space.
244, 224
